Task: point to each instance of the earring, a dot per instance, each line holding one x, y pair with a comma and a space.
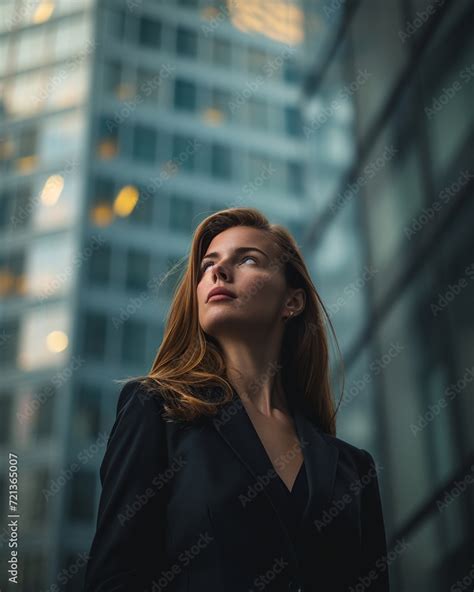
288, 317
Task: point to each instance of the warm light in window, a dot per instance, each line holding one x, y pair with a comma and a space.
57, 341
124, 91
43, 12
107, 149
6, 149
26, 163
126, 200
52, 190
284, 23
21, 284
101, 214
7, 281
213, 115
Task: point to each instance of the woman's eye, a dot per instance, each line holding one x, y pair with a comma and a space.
249, 257
206, 265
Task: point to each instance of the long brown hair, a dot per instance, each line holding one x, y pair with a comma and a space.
189, 362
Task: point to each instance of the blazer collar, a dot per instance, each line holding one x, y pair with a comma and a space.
320, 456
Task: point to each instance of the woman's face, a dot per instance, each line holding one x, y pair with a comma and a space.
255, 276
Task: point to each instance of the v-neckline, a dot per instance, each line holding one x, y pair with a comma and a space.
300, 470
302, 466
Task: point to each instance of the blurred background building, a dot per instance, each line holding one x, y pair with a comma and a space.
124, 123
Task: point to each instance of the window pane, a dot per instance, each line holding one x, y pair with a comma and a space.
95, 334
150, 32
183, 153
34, 483
87, 413
144, 143
99, 265
222, 53
221, 164
44, 337
181, 213
138, 270
377, 69
292, 121
186, 42
48, 258
133, 342
185, 95
295, 178
6, 418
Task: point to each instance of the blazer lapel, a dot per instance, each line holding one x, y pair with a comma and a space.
320, 457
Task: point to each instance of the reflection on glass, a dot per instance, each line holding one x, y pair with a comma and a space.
48, 265
36, 325
61, 138
65, 86
57, 199
377, 70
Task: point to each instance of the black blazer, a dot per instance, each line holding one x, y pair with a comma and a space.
196, 507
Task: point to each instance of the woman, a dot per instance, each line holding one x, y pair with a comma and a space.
222, 471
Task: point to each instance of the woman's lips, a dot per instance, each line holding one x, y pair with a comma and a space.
221, 297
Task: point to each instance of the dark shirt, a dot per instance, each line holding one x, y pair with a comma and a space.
296, 501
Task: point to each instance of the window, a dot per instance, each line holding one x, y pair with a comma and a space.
221, 161
257, 113
60, 201
87, 413
6, 418
95, 334
115, 23
48, 257
185, 95
222, 53
181, 213
221, 101
104, 190
150, 85
150, 32
138, 270
383, 65
291, 71
9, 331
142, 213
256, 60
144, 143
107, 137
183, 153
186, 42
292, 121
44, 414
113, 76
99, 265
12, 270
134, 342
295, 178
36, 482
44, 337
61, 138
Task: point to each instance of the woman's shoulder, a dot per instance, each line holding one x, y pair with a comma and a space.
139, 393
363, 458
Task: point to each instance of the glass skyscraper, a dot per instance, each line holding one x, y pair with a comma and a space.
388, 113
123, 124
